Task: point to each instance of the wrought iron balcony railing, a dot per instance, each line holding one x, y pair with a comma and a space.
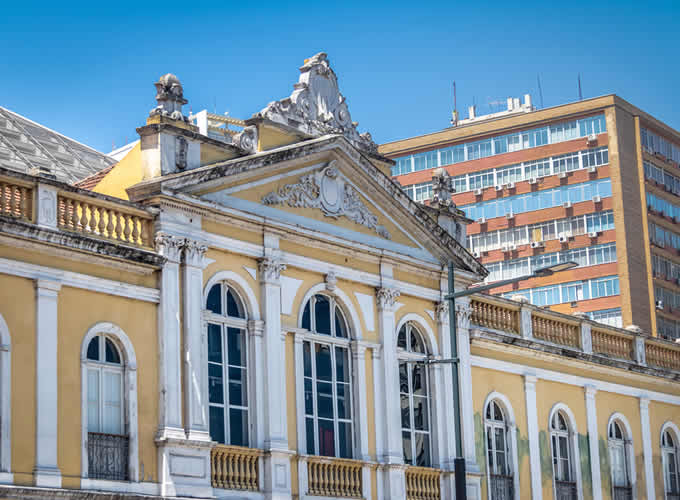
107, 456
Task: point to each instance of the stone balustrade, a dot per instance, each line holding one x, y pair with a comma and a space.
104, 219
575, 333
235, 468
423, 483
16, 198
334, 477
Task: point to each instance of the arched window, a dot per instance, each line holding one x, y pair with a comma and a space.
107, 435
669, 452
227, 366
327, 379
562, 455
414, 396
618, 460
498, 453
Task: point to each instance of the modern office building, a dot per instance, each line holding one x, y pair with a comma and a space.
594, 181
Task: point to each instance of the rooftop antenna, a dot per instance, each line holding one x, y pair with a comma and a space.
215, 105
580, 93
540, 90
454, 115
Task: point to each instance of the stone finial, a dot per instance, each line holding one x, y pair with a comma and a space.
442, 189
170, 97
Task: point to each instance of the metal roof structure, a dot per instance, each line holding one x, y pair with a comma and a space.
29, 147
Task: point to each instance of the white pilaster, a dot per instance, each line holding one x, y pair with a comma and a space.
446, 401
195, 345
467, 417
359, 363
532, 431
255, 333
46, 471
648, 456
586, 338
277, 461
593, 440
170, 404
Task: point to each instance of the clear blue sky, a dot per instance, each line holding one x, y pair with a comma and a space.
87, 69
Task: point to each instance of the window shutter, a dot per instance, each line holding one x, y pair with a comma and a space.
112, 402
93, 400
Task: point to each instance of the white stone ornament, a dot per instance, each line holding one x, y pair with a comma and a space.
328, 191
316, 106
170, 97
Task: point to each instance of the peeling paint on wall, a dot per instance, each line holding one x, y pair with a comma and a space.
605, 472
586, 475
480, 448
546, 457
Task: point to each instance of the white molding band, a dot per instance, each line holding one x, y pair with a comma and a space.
78, 280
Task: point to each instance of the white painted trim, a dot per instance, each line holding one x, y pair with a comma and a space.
674, 429
647, 453
345, 304
553, 376
593, 441
429, 337
78, 280
244, 290
512, 430
575, 450
268, 180
630, 450
670, 425
129, 391
532, 433
142, 488
5, 398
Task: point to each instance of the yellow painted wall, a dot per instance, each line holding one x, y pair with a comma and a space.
126, 173
139, 321
21, 324
659, 414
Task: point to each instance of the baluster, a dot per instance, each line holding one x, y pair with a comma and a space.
135, 230
3, 198
84, 223
229, 480
110, 226
119, 226
75, 204
253, 473
127, 223
92, 221
217, 458
16, 201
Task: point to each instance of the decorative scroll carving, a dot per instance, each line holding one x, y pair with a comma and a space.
170, 97
193, 252
442, 189
463, 315
328, 191
441, 311
316, 106
387, 297
169, 246
270, 268
246, 139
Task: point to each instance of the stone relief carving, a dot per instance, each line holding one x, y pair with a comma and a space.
331, 281
170, 97
169, 246
442, 188
316, 106
48, 207
441, 311
387, 297
181, 149
194, 252
328, 191
247, 139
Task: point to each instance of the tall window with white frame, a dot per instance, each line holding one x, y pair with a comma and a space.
327, 379
107, 439
669, 456
414, 396
497, 452
227, 366
562, 456
618, 460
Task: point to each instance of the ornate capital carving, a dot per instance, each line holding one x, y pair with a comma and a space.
247, 139
441, 311
194, 252
463, 313
169, 246
270, 268
328, 191
442, 189
331, 281
170, 97
387, 298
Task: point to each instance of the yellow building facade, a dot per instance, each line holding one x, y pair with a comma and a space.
266, 318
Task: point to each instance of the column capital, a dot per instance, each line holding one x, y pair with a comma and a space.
441, 311
530, 380
47, 285
270, 269
644, 403
590, 391
194, 252
387, 298
256, 327
169, 246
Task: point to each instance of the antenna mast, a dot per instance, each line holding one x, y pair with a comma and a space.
540, 91
454, 115
580, 93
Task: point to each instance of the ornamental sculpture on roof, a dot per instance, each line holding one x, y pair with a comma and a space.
327, 190
170, 97
316, 106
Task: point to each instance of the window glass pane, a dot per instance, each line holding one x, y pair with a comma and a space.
93, 399
322, 314
93, 349
341, 364
324, 401
344, 440
238, 427
408, 447
326, 438
343, 401
416, 342
112, 355
217, 424
306, 318
238, 389
236, 346
214, 302
307, 357
340, 325
323, 362
420, 416
215, 384
405, 412
234, 307
309, 397
403, 377
112, 411
422, 445
309, 431
418, 380
214, 343
401, 339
